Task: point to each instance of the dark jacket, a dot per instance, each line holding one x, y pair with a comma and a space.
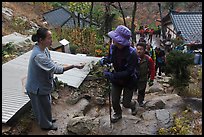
126, 66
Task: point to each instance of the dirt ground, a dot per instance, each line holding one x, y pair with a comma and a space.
90, 88
29, 10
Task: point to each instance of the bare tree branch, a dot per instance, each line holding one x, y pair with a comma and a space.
121, 10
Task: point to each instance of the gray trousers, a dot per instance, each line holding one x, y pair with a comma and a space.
127, 98
41, 106
141, 91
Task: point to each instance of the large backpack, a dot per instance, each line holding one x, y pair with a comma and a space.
132, 50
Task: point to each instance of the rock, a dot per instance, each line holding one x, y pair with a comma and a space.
166, 79
7, 13
148, 125
140, 111
100, 101
169, 89
170, 100
94, 112
82, 125
120, 127
166, 85
75, 97
34, 25
164, 118
55, 95
194, 103
155, 88
155, 104
149, 115
80, 107
18, 39
5, 129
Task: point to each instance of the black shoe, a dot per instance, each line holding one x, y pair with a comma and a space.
50, 128
54, 120
134, 110
116, 117
141, 104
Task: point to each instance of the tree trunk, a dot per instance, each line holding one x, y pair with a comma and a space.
107, 16
78, 20
133, 25
91, 11
162, 24
121, 11
172, 6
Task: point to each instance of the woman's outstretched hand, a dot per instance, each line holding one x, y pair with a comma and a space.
80, 66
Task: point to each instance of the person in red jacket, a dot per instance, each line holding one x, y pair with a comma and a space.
151, 32
146, 72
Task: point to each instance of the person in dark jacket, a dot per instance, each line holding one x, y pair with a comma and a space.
160, 60
124, 76
146, 70
39, 83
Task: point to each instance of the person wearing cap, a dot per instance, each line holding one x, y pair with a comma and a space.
147, 72
125, 73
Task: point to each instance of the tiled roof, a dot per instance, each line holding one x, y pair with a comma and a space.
190, 25
61, 16
57, 17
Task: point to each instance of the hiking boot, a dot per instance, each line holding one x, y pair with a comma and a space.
141, 104
116, 117
53, 127
54, 120
134, 110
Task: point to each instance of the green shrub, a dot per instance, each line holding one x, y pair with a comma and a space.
73, 48
8, 49
20, 25
178, 66
100, 50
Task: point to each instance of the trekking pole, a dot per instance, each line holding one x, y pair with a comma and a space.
109, 93
108, 40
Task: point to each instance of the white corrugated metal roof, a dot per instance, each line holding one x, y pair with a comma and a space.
14, 73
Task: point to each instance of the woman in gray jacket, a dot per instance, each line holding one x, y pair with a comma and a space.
41, 70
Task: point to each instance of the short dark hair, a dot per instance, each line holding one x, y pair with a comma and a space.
41, 33
142, 44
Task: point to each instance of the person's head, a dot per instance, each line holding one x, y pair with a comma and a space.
157, 49
43, 37
141, 47
120, 36
148, 46
142, 40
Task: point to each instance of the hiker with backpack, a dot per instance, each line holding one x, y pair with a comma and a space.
150, 51
124, 76
146, 72
160, 60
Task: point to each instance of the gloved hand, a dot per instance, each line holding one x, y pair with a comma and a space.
103, 61
151, 82
108, 75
